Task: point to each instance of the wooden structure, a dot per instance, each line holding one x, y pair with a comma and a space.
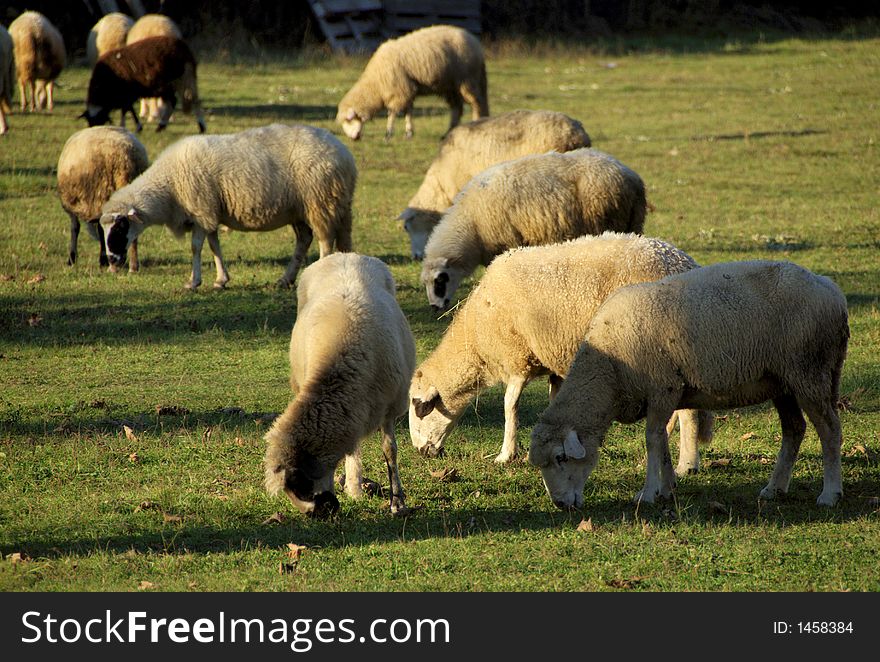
359, 26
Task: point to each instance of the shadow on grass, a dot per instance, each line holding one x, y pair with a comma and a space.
276, 112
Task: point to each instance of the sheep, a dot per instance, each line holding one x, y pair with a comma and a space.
440, 59
108, 34
352, 355
257, 180
722, 336
157, 66
7, 75
471, 148
39, 59
527, 318
533, 200
152, 25
93, 164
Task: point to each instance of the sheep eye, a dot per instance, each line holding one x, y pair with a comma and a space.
561, 459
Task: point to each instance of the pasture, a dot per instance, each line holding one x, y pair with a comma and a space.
750, 149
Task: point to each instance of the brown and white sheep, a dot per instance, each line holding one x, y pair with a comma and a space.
94, 163
107, 34
39, 59
161, 67
470, 148
441, 59
152, 25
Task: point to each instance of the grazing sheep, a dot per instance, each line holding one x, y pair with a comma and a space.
526, 318
94, 163
256, 180
157, 66
722, 336
152, 25
39, 59
533, 200
108, 34
351, 358
441, 59
471, 148
7, 75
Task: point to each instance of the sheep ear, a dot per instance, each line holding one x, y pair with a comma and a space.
573, 446
134, 216
350, 115
424, 407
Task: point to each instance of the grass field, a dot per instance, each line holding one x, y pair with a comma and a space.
749, 149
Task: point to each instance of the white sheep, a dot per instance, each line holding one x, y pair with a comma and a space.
526, 318
152, 25
533, 200
93, 164
727, 335
7, 76
108, 34
351, 359
39, 59
256, 180
441, 59
470, 148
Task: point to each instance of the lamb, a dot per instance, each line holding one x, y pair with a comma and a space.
352, 355
723, 336
152, 25
39, 59
533, 200
471, 148
256, 180
441, 59
155, 67
527, 318
93, 164
108, 34
7, 75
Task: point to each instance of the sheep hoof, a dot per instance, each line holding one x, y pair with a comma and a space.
161, 127
283, 284
504, 458
828, 499
402, 510
220, 284
768, 493
645, 496
191, 286
682, 471
408, 135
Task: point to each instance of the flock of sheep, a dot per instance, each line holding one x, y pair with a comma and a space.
626, 327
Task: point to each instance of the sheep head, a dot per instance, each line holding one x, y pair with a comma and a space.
565, 462
418, 224
96, 115
306, 481
120, 230
352, 123
441, 280
430, 421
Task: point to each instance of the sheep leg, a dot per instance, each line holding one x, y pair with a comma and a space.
133, 263
325, 247
824, 418
198, 240
219, 267
50, 94
659, 476
22, 95
695, 428
408, 122
354, 474
74, 238
793, 429
389, 125
389, 449
555, 383
456, 108
511, 418
304, 237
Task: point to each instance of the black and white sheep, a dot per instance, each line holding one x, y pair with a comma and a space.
470, 148
93, 164
526, 318
161, 67
530, 201
108, 34
727, 335
256, 180
39, 59
352, 355
152, 25
441, 59
7, 76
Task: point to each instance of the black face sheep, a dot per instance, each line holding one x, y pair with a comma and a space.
152, 25
441, 59
727, 335
470, 148
161, 67
39, 59
533, 200
93, 164
526, 318
108, 34
256, 180
7, 76
351, 359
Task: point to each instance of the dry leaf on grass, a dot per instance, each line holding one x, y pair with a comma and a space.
294, 551
5, 278
747, 436
146, 504
168, 517
856, 450
130, 435
626, 584
134, 457
145, 585
35, 320
447, 474
36, 278
720, 462
586, 525
275, 518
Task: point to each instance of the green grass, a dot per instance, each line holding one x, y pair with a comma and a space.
749, 150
